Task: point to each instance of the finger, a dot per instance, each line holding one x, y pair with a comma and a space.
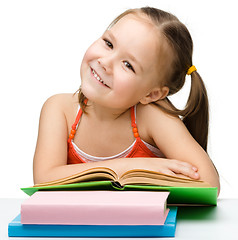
185, 170
186, 164
168, 172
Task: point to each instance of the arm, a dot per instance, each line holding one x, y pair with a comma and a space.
174, 140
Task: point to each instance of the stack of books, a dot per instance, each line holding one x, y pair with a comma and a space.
98, 203
95, 214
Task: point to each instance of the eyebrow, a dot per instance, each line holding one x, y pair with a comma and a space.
129, 55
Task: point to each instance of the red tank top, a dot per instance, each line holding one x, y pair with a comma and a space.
139, 149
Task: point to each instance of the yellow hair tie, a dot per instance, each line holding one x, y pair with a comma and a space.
191, 70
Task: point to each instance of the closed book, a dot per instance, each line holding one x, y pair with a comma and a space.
17, 229
95, 208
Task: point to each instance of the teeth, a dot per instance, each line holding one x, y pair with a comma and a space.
97, 77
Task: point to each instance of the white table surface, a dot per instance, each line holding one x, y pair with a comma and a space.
203, 223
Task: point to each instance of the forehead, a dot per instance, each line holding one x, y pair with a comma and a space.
137, 35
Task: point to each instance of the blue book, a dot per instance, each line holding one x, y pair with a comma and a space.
16, 229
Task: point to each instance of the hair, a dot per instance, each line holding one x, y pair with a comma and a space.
195, 115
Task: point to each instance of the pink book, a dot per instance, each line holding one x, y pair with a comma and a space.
95, 208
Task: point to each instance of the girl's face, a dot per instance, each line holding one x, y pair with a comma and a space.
121, 67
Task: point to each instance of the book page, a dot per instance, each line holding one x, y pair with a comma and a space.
146, 177
93, 174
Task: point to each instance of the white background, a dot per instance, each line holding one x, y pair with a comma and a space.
41, 47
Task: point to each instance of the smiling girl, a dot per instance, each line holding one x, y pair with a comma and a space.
121, 117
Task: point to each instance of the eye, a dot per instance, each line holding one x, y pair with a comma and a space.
128, 65
108, 43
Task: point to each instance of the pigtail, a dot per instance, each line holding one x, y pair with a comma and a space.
82, 100
196, 113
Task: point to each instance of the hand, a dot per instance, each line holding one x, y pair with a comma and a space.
177, 168
165, 166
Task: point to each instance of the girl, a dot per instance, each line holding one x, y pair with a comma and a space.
125, 119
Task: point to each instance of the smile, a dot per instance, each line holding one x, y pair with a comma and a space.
98, 78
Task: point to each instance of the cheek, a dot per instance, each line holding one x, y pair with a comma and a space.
91, 52
125, 86
88, 56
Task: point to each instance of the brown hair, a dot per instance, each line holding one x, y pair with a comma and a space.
195, 115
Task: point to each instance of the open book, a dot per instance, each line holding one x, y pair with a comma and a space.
131, 177
182, 190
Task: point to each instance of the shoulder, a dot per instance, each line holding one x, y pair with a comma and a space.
152, 115
154, 110
159, 127
62, 100
62, 105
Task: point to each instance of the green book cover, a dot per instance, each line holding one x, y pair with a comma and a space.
177, 196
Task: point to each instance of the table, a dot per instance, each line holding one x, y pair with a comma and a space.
203, 223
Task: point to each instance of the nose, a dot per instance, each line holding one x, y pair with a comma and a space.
106, 63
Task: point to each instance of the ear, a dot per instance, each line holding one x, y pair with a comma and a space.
155, 95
